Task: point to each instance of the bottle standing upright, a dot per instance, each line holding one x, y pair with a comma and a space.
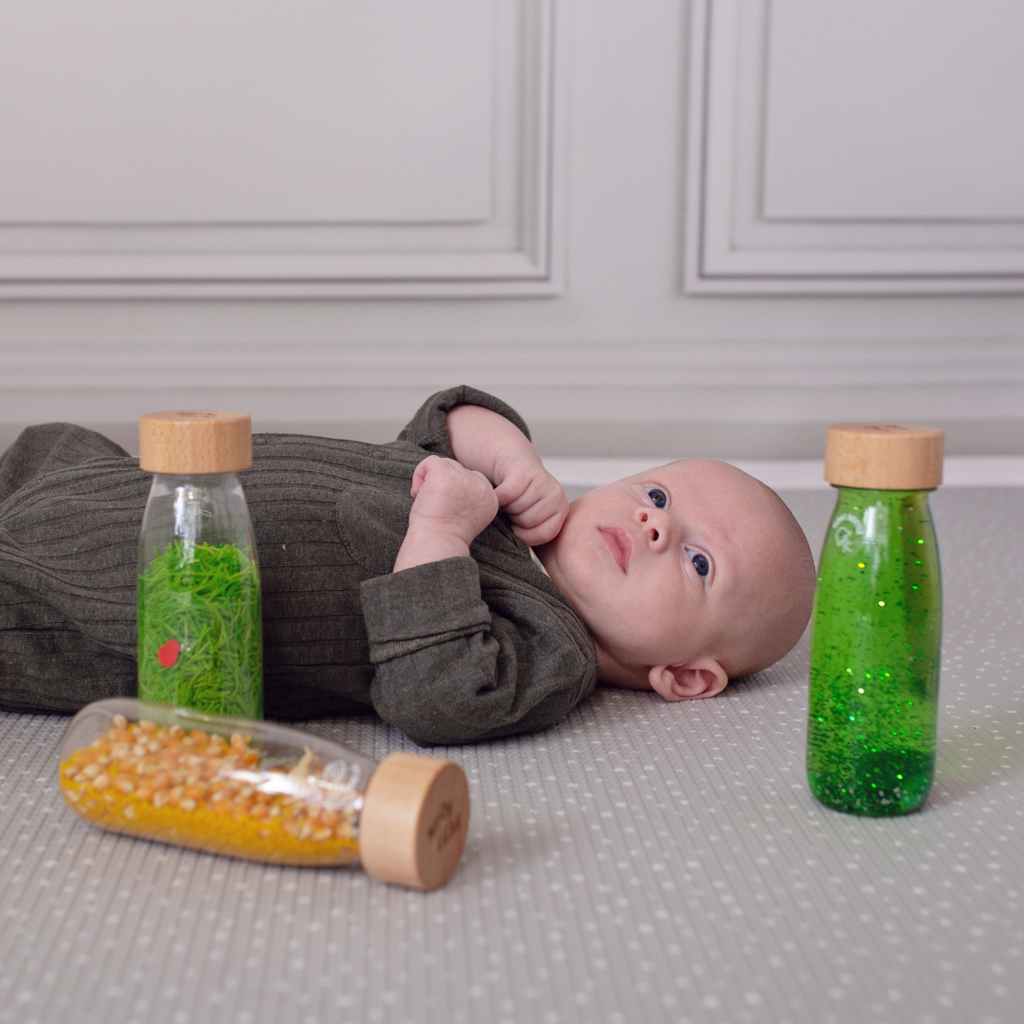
877, 623
200, 636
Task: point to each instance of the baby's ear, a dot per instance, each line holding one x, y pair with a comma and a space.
702, 677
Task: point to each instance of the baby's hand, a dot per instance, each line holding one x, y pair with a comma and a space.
452, 503
530, 495
451, 498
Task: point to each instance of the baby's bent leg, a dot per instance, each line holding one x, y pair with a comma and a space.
49, 447
48, 664
72, 504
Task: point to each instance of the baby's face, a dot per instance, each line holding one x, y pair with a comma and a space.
654, 563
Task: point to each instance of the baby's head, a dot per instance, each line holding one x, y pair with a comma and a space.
686, 575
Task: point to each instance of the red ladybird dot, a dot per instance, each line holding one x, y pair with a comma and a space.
168, 653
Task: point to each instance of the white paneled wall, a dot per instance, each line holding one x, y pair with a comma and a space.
871, 147
325, 148
655, 227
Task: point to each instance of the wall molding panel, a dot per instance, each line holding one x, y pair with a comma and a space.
344, 218
791, 102
655, 228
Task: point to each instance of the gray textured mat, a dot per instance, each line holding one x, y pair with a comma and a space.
643, 862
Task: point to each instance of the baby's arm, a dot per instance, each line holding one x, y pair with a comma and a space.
487, 442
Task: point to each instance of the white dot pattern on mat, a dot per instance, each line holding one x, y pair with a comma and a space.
641, 862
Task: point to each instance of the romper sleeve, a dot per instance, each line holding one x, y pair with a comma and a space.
428, 429
451, 667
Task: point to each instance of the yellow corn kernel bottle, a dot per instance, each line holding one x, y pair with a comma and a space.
263, 792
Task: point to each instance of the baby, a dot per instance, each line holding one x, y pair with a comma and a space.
685, 575
441, 580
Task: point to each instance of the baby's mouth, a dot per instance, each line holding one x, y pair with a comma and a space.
618, 544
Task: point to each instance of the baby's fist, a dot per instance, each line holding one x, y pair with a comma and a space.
451, 499
531, 497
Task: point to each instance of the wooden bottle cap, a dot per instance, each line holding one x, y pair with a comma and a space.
195, 441
883, 456
414, 820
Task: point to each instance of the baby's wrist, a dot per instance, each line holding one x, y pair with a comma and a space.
507, 458
431, 541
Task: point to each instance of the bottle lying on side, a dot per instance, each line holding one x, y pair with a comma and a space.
263, 792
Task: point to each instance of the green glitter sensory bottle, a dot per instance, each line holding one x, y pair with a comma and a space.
200, 642
877, 623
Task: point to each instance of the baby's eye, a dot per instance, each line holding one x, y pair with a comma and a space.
658, 496
700, 563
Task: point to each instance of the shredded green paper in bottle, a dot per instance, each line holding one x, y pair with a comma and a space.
200, 630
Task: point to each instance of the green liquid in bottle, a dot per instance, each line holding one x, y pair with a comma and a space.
875, 655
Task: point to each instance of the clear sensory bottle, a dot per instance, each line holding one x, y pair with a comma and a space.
877, 623
263, 792
200, 633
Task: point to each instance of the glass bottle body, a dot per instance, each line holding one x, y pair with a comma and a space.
246, 789
875, 649
200, 640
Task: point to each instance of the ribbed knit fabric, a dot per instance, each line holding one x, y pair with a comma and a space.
451, 652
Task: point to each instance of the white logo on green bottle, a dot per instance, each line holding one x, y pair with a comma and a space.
846, 525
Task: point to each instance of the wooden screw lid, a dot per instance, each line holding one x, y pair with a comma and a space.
195, 441
883, 456
414, 820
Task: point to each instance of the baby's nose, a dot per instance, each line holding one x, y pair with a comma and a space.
653, 525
